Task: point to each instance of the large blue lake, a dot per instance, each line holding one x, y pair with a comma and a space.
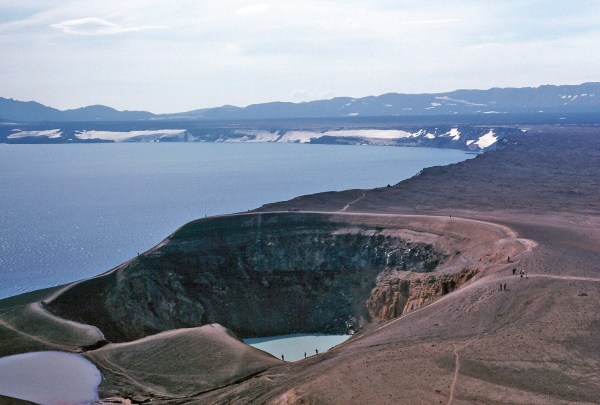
73, 211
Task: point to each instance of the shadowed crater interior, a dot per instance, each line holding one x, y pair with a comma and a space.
258, 275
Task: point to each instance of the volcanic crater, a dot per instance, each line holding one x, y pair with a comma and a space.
260, 275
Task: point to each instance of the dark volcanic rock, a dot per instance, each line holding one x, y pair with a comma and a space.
546, 169
256, 274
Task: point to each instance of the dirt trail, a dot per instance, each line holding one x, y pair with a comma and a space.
568, 278
104, 362
478, 283
60, 291
353, 202
456, 371
458, 348
35, 338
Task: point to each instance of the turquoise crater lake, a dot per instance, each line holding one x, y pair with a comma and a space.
73, 211
297, 346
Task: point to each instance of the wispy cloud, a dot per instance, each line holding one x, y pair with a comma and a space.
98, 26
247, 51
252, 9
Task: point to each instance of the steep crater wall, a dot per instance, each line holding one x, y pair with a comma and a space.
257, 275
396, 294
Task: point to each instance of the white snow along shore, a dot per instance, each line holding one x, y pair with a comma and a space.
143, 136
50, 133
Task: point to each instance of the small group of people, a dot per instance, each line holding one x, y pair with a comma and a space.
521, 272
316, 352
514, 272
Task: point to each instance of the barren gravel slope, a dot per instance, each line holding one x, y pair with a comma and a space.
534, 343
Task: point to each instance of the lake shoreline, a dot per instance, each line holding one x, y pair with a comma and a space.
79, 216
507, 209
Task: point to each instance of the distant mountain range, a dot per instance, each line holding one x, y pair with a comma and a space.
31, 111
568, 99
465, 137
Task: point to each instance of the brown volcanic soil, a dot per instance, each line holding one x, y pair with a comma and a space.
537, 342
179, 363
182, 364
536, 173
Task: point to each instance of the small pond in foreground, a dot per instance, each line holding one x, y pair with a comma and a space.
50, 378
294, 346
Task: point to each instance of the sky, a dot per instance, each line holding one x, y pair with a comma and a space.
179, 55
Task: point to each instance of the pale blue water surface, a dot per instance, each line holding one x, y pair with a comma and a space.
50, 378
73, 211
294, 347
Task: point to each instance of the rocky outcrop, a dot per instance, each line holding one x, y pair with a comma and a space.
397, 294
258, 275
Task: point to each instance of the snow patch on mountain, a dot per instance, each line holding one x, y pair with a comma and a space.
49, 133
308, 136
299, 136
487, 140
143, 136
454, 133
465, 102
371, 133
250, 135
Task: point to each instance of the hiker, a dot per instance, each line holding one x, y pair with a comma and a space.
316, 351
508, 259
500, 286
504, 286
282, 358
522, 273
304, 354
514, 271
